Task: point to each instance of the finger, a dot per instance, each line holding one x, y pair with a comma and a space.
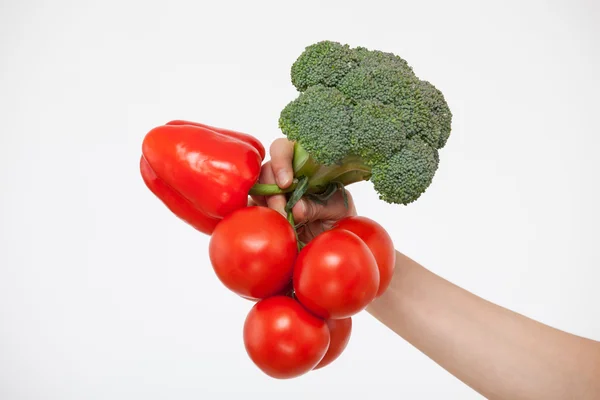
276, 202
312, 229
259, 201
282, 153
334, 209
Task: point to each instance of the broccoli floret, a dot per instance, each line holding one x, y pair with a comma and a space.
322, 63
385, 82
407, 173
366, 109
320, 120
441, 115
383, 133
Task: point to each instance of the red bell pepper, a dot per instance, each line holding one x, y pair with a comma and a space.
244, 137
212, 171
179, 205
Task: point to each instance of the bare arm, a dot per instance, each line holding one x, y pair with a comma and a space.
499, 353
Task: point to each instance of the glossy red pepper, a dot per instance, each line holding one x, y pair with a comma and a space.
244, 137
212, 171
175, 202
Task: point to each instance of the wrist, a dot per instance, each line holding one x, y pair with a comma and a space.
387, 308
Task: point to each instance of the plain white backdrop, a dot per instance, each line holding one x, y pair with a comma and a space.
106, 295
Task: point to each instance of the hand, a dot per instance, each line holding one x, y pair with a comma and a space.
311, 218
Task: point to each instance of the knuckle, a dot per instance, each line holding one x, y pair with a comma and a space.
310, 211
276, 146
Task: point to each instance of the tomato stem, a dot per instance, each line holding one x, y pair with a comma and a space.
297, 194
293, 198
290, 218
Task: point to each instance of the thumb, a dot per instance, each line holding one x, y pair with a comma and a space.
334, 209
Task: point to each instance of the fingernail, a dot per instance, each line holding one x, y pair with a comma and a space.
282, 178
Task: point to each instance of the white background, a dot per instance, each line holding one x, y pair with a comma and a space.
105, 295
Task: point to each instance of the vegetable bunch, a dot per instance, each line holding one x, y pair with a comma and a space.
305, 294
360, 115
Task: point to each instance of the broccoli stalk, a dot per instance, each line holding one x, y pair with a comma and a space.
362, 115
320, 177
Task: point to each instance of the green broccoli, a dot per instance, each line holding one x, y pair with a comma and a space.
364, 115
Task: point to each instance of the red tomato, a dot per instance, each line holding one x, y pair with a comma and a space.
336, 275
252, 251
283, 339
339, 332
379, 242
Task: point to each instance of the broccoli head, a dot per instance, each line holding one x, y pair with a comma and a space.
366, 109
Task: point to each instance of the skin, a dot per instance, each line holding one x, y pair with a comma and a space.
495, 351
313, 218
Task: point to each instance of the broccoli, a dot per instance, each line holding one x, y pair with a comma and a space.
364, 115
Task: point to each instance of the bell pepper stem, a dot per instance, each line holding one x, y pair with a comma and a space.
266, 189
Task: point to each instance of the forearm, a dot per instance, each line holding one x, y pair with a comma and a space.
499, 353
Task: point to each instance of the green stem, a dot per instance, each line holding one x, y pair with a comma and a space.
290, 218
352, 169
302, 163
297, 194
319, 182
265, 189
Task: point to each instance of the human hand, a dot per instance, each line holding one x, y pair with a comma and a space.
311, 218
